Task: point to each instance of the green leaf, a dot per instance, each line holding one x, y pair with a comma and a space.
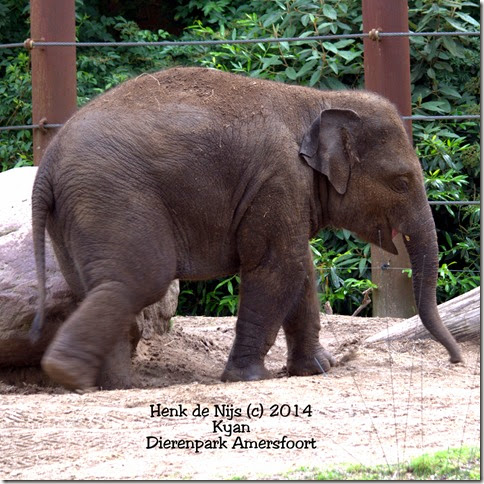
449, 91
331, 47
271, 19
291, 73
441, 106
443, 66
457, 25
329, 12
452, 47
349, 55
315, 77
306, 34
308, 66
362, 266
467, 18
333, 66
271, 61
341, 44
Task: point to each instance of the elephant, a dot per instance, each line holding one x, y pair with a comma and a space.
193, 173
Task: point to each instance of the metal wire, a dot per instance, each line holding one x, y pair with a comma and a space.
167, 43
413, 118
29, 126
466, 202
386, 267
12, 46
444, 117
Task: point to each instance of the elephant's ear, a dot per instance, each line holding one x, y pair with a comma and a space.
328, 146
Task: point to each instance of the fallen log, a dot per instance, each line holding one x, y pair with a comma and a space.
461, 315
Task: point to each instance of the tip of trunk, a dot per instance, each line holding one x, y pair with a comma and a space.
455, 355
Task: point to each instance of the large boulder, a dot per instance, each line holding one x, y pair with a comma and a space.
18, 281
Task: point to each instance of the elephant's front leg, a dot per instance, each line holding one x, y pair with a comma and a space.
268, 293
306, 356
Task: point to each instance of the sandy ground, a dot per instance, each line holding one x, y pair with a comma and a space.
387, 403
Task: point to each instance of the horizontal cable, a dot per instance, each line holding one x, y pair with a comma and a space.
413, 118
385, 267
455, 202
12, 46
165, 43
29, 126
443, 117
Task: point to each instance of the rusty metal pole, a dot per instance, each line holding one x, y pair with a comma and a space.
387, 72
53, 68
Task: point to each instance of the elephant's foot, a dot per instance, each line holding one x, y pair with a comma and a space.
69, 372
116, 371
252, 372
312, 363
75, 372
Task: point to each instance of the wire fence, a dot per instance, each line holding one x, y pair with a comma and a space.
412, 118
373, 35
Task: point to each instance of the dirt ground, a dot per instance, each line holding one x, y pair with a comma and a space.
385, 404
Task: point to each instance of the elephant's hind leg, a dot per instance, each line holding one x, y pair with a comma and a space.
123, 271
98, 327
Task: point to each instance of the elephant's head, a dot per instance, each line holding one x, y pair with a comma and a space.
373, 185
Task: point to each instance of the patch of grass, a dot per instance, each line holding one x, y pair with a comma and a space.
453, 464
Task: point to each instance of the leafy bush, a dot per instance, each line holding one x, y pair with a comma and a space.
445, 80
323, 64
343, 269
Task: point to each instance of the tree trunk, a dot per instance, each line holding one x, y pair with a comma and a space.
461, 315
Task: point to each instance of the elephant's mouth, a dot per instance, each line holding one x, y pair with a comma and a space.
381, 236
384, 239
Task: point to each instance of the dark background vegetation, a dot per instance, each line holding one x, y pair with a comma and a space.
445, 80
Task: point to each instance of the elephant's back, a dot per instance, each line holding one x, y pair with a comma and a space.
220, 92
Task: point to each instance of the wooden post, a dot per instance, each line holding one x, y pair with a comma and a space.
54, 97
387, 72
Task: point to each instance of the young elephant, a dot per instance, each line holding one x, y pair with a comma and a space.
193, 173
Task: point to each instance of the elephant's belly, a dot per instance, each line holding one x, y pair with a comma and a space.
201, 265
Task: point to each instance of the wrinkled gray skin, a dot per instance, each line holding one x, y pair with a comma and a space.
193, 174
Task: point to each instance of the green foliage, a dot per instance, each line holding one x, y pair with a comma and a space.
321, 64
445, 80
15, 86
462, 463
453, 464
100, 68
15, 109
209, 298
451, 174
14, 21
342, 266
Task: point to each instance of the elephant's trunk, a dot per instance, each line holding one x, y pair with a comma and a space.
423, 251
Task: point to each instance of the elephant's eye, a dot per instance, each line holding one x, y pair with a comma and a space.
400, 184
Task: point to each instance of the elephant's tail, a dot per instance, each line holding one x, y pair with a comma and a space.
42, 205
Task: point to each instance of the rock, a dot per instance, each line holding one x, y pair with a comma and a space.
18, 281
